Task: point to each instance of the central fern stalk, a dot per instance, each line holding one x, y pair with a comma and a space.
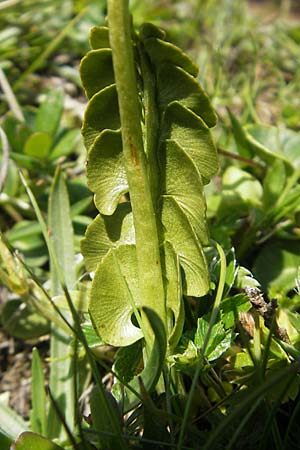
147, 242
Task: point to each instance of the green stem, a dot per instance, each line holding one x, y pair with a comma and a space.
257, 340
10, 97
147, 243
151, 125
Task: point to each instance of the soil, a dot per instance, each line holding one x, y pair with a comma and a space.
15, 370
15, 373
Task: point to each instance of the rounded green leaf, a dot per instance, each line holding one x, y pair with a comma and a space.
160, 51
65, 145
219, 339
106, 175
102, 113
38, 145
33, 441
262, 141
115, 295
23, 322
99, 37
231, 307
192, 135
148, 30
174, 301
275, 142
241, 184
276, 266
96, 71
105, 233
180, 233
274, 183
175, 83
290, 146
182, 182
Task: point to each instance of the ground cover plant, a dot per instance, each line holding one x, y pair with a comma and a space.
169, 290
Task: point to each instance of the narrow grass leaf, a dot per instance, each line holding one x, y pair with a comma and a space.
100, 422
243, 422
39, 61
61, 233
38, 395
256, 393
49, 113
11, 424
292, 422
61, 374
5, 441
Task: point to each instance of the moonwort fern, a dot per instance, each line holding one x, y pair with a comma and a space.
150, 151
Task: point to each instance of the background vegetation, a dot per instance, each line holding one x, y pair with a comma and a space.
246, 394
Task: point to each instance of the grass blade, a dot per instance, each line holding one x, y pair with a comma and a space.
10, 97
5, 441
255, 394
39, 61
5, 157
11, 424
61, 234
38, 395
61, 368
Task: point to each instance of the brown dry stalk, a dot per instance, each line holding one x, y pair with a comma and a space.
268, 311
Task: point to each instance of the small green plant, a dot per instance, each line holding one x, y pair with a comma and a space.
195, 351
147, 132
36, 143
146, 128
